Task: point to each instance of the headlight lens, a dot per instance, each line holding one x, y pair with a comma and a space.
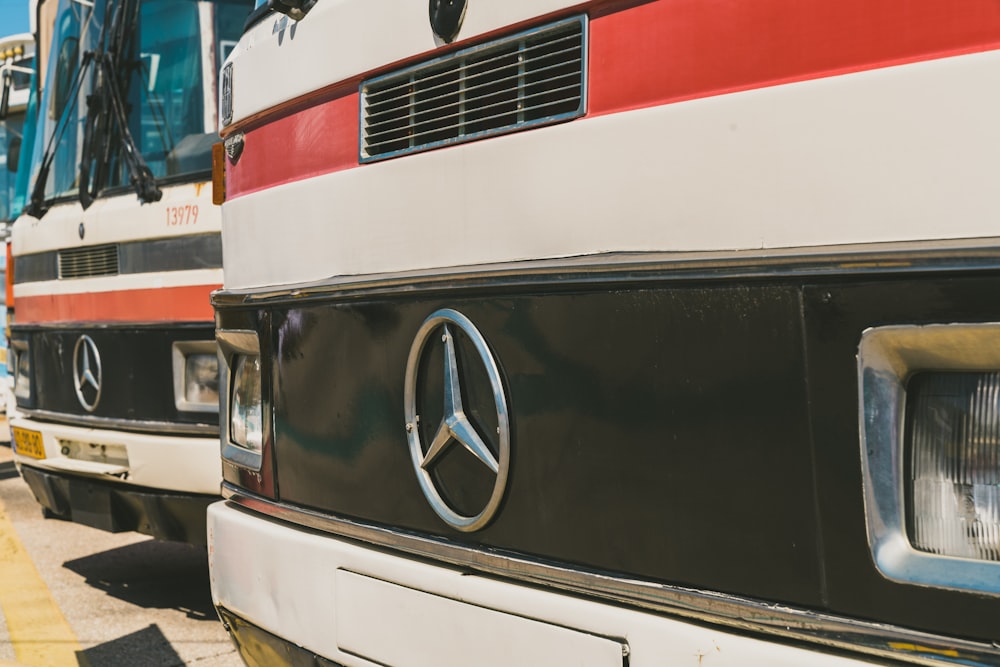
953, 429
246, 424
201, 379
22, 372
196, 376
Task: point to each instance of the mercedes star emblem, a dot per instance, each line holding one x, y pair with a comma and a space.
456, 429
446, 18
87, 372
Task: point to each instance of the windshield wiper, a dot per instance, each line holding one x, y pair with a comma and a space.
37, 205
105, 104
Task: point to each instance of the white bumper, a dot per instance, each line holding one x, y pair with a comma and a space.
173, 463
363, 606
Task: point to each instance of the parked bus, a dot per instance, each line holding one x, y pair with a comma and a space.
116, 379
611, 333
17, 58
17, 63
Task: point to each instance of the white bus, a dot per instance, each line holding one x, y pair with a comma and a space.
612, 332
17, 66
116, 416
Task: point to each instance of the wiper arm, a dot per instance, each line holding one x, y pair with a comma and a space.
106, 103
140, 175
37, 206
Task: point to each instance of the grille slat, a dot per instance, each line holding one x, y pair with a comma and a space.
418, 135
101, 260
509, 84
376, 97
374, 118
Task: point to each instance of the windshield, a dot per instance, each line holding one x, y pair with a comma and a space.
131, 82
10, 132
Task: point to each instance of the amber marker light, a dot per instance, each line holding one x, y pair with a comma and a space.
218, 174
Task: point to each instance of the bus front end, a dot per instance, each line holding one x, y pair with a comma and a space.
613, 333
114, 356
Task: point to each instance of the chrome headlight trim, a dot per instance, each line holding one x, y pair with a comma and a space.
232, 344
887, 358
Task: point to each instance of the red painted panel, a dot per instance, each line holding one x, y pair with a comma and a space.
317, 140
163, 304
674, 50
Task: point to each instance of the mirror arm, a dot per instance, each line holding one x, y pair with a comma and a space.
8, 80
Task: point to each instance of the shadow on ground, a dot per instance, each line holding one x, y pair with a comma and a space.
7, 470
153, 574
148, 647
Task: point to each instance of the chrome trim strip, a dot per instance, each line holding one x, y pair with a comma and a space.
825, 630
136, 426
887, 357
618, 268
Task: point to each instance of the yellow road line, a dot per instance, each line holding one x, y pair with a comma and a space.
38, 630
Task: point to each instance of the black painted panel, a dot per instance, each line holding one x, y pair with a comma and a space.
137, 371
180, 253
656, 432
704, 434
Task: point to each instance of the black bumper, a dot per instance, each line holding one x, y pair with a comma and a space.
259, 648
117, 507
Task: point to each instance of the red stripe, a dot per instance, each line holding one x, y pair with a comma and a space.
674, 50
310, 142
671, 50
162, 304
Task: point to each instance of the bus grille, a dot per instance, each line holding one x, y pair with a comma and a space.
528, 79
98, 260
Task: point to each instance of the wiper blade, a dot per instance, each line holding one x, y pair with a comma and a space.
106, 104
37, 205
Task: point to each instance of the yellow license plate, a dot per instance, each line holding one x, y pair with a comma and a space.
28, 443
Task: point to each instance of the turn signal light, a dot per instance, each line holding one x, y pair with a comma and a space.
218, 173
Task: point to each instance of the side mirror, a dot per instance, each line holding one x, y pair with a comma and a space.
8, 80
13, 153
296, 9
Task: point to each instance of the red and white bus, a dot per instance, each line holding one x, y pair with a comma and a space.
611, 332
116, 416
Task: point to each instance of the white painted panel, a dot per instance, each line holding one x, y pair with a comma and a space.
118, 219
286, 580
899, 154
172, 463
402, 627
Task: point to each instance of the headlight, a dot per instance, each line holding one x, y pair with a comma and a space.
930, 444
246, 424
953, 461
243, 424
196, 376
22, 370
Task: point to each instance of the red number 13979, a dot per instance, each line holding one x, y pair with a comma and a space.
182, 215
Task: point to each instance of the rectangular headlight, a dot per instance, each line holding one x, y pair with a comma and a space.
196, 376
930, 453
22, 369
953, 460
243, 423
246, 424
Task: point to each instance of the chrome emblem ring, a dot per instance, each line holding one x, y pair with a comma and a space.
87, 372
455, 428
